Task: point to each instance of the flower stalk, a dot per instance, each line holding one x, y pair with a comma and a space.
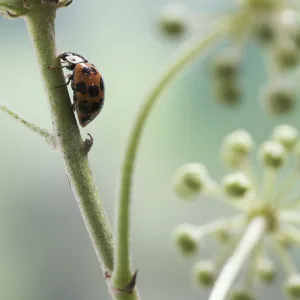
253, 234
123, 271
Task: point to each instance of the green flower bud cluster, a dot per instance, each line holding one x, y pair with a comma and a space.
273, 153
275, 24
239, 189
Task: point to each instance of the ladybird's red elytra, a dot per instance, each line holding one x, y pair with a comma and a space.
87, 85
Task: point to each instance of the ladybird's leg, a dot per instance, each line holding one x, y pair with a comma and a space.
88, 143
73, 106
107, 274
57, 67
69, 78
90, 137
67, 3
11, 15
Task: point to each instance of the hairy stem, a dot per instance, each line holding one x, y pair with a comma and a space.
40, 22
49, 138
191, 51
253, 234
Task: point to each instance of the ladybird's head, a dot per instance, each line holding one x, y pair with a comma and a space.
72, 58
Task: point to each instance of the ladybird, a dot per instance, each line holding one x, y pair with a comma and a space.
87, 85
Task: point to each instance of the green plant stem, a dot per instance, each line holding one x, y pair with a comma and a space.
252, 236
50, 139
123, 271
40, 22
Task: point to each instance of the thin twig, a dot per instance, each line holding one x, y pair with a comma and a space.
49, 137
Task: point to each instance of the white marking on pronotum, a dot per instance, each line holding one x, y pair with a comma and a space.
74, 59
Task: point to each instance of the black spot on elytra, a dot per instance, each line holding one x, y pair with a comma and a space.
93, 91
86, 71
94, 70
97, 106
85, 120
84, 108
81, 87
101, 84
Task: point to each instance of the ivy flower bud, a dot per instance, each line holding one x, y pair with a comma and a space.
292, 286
239, 142
228, 92
272, 154
223, 235
286, 53
296, 36
297, 149
205, 273
173, 19
190, 180
230, 159
279, 97
286, 135
289, 20
226, 64
185, 238
241, 294
284, 240
266, 270
263, 26
236, 185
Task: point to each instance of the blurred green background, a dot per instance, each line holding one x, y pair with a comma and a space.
45, 250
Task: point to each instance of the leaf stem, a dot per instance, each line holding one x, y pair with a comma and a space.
49, 137
40, 21
252, 236
191, 51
